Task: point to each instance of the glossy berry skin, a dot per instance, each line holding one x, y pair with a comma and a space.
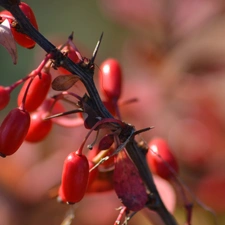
22, 39
39, 128
74, 177
4, 97
13, 131
110, 106
37, 91
61, 197
160, 159
110, 77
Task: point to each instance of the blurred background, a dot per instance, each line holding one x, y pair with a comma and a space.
173, 59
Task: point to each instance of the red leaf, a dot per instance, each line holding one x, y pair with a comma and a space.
128, 183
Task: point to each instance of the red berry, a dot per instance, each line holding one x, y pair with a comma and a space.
110, 76
61, 197
71, 53
74, 177
37, 91
20, 38
13, 131
39, 128
4, 97
110, 106
160, 159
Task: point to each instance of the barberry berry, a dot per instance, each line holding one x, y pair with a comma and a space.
110, 77
13, 131
21, 38
39, 128
4, 97
74, 177
37, 91
160, 158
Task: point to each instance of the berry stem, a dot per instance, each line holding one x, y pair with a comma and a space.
99, 123
37, 71
17, 83
32, 74
22, 106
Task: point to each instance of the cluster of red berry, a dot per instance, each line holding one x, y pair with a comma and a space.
32, 121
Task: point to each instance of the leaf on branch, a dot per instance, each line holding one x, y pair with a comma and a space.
7, 40
128, 184
64, 82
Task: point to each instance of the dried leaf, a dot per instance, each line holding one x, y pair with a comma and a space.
7, 40
91, 117
64, 82
128, 184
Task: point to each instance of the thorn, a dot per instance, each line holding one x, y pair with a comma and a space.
63, 114
70, 42
71, 36
142, 130
96, 49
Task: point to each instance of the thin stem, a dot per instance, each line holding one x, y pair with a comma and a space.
22, 105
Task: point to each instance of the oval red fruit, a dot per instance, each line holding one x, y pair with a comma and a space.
4, 97
61, 197
22, 39
74, 177
37, 91
39, 128
13, 131
160, 159
110, 77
